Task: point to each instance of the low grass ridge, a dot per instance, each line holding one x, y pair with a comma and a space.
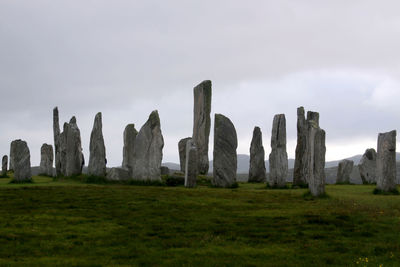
381, 192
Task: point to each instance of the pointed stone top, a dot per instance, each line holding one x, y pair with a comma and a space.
73, 120
313, 116
300, 111
154, 119
55, 109
205, 83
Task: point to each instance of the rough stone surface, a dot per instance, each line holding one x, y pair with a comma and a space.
74, 155
56, 134
278, 159
316, 160
257, 171
4, 165
191, 165
46, 160
225, 156
22, 161
311, 121
62, 142
12, 155
97, 159
202, 123
182, 152
118, 174
299, 176
344, 170
128, 160
148, 150
367, 166
386, 162
164, 170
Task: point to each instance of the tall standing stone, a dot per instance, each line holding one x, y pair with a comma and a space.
316, 160
299, 176
344, 171
202, 123
74, 155
56, 133
367, 166
97, 158
191, 165
257, 172
225, 156
22, 161
46, 160
386, 162
12, 155
278, 159
62, 142
148, 150
4, 165
128, 160
182, 152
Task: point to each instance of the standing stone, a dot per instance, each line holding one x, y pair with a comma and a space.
191, 165
257, 172
148, 150
202, 123
56, 133
278, 159
74, 156
182, 152
118, 174
164, 170
62, 142
22, 161
97, 158
128, 160
46, 160
12, 149
225, 156
386, 162
367, 166
4, 166
299, 176
344, 171
316, 160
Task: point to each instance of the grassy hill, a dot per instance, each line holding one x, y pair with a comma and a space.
71, 223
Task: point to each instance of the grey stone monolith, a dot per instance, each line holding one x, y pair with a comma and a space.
4, 166
344, 171
62, 142
316, 159
22, 161
148, 150
299, 175
182, 152
386, 162
257, 171
225, 156
191, 165
46, 160
74, 156
202, 123
278, 159
128, 159
12, 155
56, 135
97, 158
118, 174
367, 166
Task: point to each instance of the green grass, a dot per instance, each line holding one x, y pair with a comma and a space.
67, 222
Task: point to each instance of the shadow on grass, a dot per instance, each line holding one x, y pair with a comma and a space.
28, 181
381, 192
308, 196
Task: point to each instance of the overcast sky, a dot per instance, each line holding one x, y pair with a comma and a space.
127, 58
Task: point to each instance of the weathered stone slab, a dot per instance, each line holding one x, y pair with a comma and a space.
182, 152
344, 171
257, 171
225, 156
191, 165
74, 155
46, 160
386, 162
12, 155
278, 159
118, 174
299, 177
367, 166
56, 134
4, 165
316, 160
22, 161
97, 159
202, 123
128, 161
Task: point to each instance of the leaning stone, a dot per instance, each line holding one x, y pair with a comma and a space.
148, 150
225, 156
22, 162
344, 171
56, 134
4, 166
182, 152
74, 155
128, 160
202, 123
257, 172
316, 158
386, 162
367, 166
97, 159
46, 160
164, 170
278, 159
118, 174
191, 164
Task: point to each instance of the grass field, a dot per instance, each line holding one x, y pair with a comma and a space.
71, 223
